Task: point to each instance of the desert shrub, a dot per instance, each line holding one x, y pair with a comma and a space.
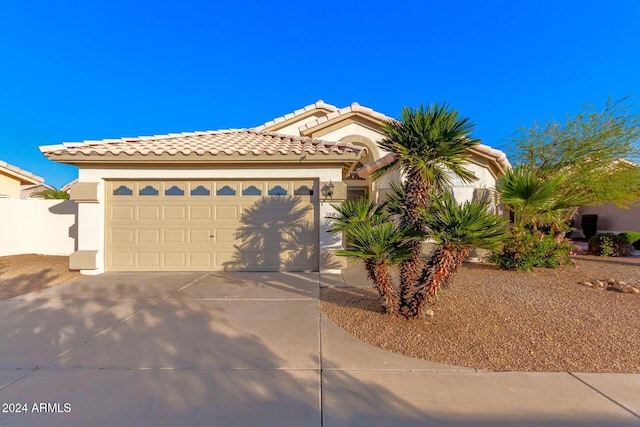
589, 225
526, 249
632, 237
609, 244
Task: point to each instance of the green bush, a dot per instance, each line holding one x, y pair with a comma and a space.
609, 244
633, 238
524, 250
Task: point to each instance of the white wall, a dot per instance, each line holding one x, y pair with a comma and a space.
612, 219
46, 227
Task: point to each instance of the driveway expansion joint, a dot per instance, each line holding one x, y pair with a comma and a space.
612, 400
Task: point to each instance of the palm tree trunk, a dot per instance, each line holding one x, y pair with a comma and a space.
444, 263
381, 274
416, 198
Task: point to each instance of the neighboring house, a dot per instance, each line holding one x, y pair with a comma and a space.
12, 178
611, 219
248, 199
30, 191
67, 187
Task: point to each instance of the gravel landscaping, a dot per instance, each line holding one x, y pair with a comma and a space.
511, 321
21, 274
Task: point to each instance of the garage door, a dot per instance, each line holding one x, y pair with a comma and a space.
212, 225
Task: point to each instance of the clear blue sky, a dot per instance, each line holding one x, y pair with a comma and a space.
77, 70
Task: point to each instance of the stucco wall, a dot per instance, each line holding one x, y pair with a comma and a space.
612, 218
45, 227
9, 186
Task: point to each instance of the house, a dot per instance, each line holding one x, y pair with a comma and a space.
12, 178
31, 191
239, 199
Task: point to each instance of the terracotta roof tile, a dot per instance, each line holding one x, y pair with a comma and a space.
22, 175
232, 141
320, 104
353, 108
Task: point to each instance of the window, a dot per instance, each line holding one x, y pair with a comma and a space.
123, 190
200, 190
277, 191
252, 190
226, 191
148, 191
174, 191
303, 190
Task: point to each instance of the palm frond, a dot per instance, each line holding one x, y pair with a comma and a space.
470, 224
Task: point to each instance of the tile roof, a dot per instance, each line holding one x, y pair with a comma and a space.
497, 156
493, 154
320, 104
231, 141
23, 176
353, 108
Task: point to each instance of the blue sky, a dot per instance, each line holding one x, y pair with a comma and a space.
78, 70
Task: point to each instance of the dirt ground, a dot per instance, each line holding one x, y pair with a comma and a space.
21, 274
510, 321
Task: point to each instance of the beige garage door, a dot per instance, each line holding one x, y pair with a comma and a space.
212, 225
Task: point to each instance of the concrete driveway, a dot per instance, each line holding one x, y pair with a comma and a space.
252, 349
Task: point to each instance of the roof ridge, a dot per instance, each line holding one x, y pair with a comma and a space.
21, 173
353, 108
316, 105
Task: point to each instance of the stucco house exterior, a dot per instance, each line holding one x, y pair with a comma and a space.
240, 199
12, 178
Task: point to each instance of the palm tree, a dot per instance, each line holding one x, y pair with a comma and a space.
456, 229
537, 200
380, 246
51, 193
427, 145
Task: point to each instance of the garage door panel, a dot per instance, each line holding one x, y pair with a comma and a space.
175, 236
149, 260
149, 212
198, 212
200, 236
122, 236
149, 236
226, 213
122, 260
122, 212
174, 259
200, 260
175, 212
211, 225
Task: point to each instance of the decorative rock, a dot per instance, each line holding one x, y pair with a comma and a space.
614, 285
428, 312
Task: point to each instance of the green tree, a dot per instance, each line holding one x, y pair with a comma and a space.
427, 145
595, 149
456, 229
537, 200
539, 206
380, 246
